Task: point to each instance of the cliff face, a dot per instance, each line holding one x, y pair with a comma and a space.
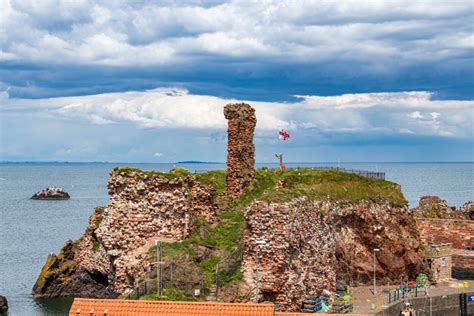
318, 225
298, 258
143, 207
63, 276
435, 207
309, 243
364, 226
240, 148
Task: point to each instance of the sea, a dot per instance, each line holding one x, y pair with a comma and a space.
31, 229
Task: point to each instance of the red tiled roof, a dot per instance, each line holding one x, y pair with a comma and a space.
108, 307
318, 314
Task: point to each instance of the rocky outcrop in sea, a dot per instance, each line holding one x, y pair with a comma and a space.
3, 304
51, 193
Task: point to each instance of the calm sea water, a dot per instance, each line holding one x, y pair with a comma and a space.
30, 229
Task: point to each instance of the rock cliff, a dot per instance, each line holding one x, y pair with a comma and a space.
143, 207
435, 207
318, 225
309, 243
363, 226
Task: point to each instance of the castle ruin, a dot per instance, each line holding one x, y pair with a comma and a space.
240, 148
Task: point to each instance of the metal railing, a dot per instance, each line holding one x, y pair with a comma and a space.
404, 291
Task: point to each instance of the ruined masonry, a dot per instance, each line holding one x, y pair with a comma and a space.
298, 258
240, 148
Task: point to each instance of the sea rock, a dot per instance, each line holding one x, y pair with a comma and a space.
240, 148
435, 207
63, 276
113, 252
51, 193
3, 304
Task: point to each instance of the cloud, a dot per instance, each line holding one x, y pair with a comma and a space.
176, 108
265, 50
117, 33
415, 115
157, 155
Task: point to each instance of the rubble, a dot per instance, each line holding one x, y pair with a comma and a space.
435, 207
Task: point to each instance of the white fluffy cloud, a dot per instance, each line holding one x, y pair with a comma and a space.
387, 113
121, 33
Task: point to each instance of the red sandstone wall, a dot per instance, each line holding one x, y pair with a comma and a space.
464, 261
458, 232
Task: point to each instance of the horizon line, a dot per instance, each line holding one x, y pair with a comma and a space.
219, 162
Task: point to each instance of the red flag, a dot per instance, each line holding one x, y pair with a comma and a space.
283, 135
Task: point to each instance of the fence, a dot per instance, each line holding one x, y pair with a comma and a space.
363, 173
173, 282
405, 291
184, 282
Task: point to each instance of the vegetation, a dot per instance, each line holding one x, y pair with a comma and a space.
223, 239
312, 183
95, 246
173, 294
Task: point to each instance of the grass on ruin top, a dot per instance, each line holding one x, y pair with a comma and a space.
312, 183
320, 184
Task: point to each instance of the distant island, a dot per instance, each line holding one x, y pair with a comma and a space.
197, 161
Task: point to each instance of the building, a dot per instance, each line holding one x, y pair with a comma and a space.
439, 260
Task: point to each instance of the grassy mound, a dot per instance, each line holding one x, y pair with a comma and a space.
223, 240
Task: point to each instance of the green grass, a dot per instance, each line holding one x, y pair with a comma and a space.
312, 183
215, 178
173, 173
173, 294
326, 184
95, 246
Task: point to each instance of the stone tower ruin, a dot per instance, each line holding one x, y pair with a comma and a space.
240, 148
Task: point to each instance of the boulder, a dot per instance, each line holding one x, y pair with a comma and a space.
3, 304
51, 193
63, 276
468, 210
435, 207
341, 285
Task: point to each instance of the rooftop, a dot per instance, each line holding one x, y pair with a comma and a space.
104, 307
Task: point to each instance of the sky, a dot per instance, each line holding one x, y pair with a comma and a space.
146, 81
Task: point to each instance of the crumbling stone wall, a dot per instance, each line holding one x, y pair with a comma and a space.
310, 243
298, 258
463, 264
240, 148
143, 207
460, 233
435, 207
